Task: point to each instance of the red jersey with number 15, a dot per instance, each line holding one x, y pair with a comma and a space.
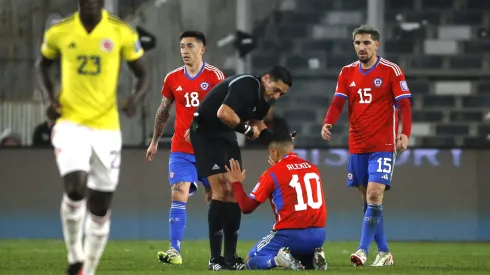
372, 96
294, 188
187, 92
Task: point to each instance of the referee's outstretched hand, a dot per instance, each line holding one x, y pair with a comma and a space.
235, 173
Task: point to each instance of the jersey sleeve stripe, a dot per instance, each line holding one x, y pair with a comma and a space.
218, 73
403, 96
118, 21
277, 199
341, 95
395, 67
172, 72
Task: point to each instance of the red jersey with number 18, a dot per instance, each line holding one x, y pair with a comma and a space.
294, 188
372, 96
187, 92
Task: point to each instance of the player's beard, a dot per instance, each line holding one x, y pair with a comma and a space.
365, 61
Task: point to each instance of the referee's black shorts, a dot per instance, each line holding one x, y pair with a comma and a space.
214, 151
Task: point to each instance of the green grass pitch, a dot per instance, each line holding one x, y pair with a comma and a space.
35, 257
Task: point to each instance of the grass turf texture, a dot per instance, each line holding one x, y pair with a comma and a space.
21, 257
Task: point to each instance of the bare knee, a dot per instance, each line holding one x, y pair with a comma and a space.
75, 184
99, 202
375, 192
180, 191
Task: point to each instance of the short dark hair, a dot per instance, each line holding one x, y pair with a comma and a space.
280, 137
366, 29
281, 73
199, 36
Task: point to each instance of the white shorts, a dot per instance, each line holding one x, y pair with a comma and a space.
98, 152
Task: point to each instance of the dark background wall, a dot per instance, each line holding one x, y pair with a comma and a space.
436, 195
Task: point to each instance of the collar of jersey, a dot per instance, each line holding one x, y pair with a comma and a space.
364, 72
289, 155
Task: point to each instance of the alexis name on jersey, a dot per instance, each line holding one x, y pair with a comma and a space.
298, 166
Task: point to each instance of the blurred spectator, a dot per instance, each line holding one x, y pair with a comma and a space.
273, 122
9, 139
42, 134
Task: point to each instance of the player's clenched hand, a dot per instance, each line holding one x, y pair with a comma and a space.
128, 106
326, 134
187, 135
401, 143
151, 152
256, 132
53, 111
235, 173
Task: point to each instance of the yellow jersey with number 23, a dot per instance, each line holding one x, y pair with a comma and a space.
90, 67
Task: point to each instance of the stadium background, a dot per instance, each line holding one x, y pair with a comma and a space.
440, 186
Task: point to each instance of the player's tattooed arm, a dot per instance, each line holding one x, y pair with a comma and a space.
161, 118
138, 67
46, 84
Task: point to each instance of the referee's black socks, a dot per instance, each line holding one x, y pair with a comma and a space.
232, 219
216, 219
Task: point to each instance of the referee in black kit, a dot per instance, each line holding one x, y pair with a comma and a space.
226, 109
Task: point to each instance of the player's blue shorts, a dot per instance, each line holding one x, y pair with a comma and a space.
301, 242
370, 167
182, 168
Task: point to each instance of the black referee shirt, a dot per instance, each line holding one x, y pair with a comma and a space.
242, 93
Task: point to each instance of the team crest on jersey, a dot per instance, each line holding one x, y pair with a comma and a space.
106, 45
204, 86
378, 82
171, 175
349, 176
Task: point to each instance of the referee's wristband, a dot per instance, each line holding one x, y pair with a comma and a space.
244, 129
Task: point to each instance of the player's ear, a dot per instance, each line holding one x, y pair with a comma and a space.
203, 50
266, 77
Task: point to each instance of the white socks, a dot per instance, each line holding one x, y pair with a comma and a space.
72, 218
97, 229
96, 235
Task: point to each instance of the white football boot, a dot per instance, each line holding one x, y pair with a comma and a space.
359, 258
383, 259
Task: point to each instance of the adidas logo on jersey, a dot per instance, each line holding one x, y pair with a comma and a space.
215, 167
353, 84
385, 177
179, 88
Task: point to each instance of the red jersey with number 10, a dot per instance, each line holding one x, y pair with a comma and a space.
294, 188
372, 96
187, 92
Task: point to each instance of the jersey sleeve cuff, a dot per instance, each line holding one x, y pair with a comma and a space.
403, 96
135, 56
49, 54
340, 94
